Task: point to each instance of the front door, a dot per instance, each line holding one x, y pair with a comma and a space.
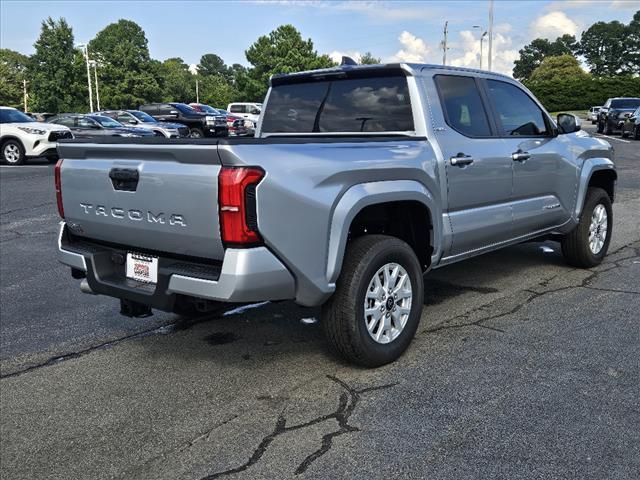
544, 175
479, 177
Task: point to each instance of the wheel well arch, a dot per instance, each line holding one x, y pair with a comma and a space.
6, 138
605, 179
408, 220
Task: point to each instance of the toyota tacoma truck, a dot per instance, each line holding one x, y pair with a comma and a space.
360, 180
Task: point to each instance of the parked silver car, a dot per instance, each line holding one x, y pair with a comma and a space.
143, 120
592, 114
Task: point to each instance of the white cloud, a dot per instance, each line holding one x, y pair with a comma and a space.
337, 55
414, 49
467, 52
552, 25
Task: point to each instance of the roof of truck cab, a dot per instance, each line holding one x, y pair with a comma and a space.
380, 68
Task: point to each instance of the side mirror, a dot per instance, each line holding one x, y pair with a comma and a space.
133, 121
568, 123
255, 111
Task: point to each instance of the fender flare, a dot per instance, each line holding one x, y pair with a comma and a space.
589, 167
363, 195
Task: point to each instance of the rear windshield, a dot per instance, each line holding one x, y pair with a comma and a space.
376, 104
625, 103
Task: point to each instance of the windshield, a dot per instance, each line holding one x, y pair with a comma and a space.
208, 109
374, 104
184, 108
625, 103
143, 116
9, 115
106, 121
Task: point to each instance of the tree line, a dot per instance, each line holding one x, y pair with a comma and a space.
553, 72
56, 73
127, 75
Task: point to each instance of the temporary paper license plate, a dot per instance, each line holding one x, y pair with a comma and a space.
142, 268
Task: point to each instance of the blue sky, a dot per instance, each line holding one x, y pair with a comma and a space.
392, 30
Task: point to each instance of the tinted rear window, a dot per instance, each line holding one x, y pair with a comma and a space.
625, 103
379, 104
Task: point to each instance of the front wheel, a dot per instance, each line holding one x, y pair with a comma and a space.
636, 133
374, 313
587, 245
600, 128
196, 133
13, 152
607, 128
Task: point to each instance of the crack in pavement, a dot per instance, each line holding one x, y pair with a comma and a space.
26, 208
585, 283
346, 405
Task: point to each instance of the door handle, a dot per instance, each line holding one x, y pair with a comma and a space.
520, 156
460, 160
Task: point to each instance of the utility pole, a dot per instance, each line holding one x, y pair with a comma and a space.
85, 47
24, 92
490, 33
94, 64
481, 42
197, 91
444, 43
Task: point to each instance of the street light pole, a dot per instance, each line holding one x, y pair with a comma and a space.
481, 42
444, 43
490, 33
24, 92
95, 75
85, 47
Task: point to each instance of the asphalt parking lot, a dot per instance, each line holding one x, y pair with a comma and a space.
523, 368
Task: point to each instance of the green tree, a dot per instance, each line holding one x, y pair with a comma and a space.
12, 70
128, 76
531, 55
51, 72
282, 51
633, 45
604, 49
558, 68
178, 84
216, 91
367, 58
212, 64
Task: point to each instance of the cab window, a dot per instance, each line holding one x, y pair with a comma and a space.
517, 114
462, 105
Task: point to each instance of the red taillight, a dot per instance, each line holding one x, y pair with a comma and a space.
236, 200
58, 180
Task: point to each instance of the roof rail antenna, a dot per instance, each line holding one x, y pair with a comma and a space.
348, 61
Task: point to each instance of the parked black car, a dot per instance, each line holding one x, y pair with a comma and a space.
631, 125
200, 124
144, 120
87, 126
613, 113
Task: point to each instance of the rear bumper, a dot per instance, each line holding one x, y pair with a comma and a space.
245, 275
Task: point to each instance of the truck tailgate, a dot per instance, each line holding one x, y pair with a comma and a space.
152, 197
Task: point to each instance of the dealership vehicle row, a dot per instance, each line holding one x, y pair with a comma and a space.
24, 136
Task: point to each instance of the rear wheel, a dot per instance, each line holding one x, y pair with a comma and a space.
607, 128
374, 313
13, 152
587, 245
196, 133
600, 128
636, 133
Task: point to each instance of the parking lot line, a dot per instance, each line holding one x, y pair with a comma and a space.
612, 138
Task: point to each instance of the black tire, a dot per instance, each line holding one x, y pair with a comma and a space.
636, 133
52, 159
600, 128
607, 128
593, 122
343, 318
12, 152
623, 134
575, 245
196, 133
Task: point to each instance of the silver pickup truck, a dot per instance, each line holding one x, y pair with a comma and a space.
359, 181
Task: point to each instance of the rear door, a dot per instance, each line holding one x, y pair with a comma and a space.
544, 174
479, 177
151, 197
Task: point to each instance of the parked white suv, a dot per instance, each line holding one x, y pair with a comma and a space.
248, 111
21, 137
593, 114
